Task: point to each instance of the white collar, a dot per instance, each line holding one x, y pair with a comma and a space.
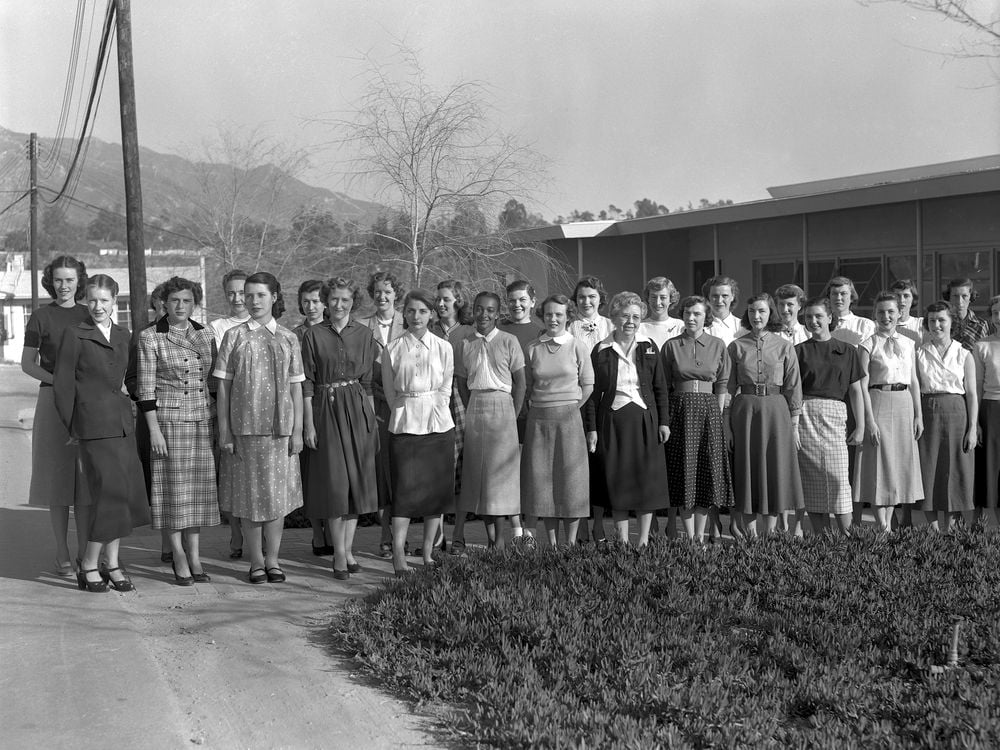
489, 336
271, 325
610, 342
563, 338
414, 341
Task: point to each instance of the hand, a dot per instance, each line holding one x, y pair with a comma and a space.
295, 444
795, 437
856, 437
157, 444
309, 436
664, 434
918, 427
591, 441
970, 441
226, 443
873, 430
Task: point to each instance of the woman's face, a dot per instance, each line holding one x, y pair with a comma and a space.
339, 305
886, 316
627, 320
817, 321
259, 300
905, 300
385, 298
694, 319
840, 299
939, 325
519, 306
447, 309
65, 282
995, 316
788, 310
759, 314
659, 304
180, 306
554, 317
234, 295
312, 306
417, 316
485, 313
101, 304
588, 301
960, 297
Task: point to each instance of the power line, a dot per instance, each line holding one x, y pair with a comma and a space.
49, 163
9, 206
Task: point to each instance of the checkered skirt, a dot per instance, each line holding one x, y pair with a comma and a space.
823, 462
183, 491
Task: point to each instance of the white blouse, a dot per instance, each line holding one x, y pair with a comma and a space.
889, 364
942, 374
416, 377
627, 387
987, 353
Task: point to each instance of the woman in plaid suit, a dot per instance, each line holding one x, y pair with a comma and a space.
175, 361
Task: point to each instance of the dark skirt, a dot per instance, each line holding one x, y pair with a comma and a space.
697, 459
765, 464
117, 487
383, 479
340, 475
633, 473
57, 478
555, 476
423, 474
988, 454
948, 471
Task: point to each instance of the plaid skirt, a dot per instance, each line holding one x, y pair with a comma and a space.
823, 463
698, 473
457, 409
183, 485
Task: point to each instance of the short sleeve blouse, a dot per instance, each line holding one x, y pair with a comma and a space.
888, 364
45, 327
939, 374
828, 368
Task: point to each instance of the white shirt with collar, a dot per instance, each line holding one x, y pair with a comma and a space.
627, 387
853, 329
726, 329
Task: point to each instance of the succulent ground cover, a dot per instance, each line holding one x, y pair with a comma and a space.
783, 643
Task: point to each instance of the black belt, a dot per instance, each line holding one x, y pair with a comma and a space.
889, 387
760, 389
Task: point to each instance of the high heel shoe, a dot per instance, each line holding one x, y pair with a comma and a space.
95, 587
182, 580
125, 584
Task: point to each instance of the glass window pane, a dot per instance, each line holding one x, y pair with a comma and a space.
901, 267
929, 291
773, 275
866, 273
820, 272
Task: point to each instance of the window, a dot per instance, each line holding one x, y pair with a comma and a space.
124, 312
702, 271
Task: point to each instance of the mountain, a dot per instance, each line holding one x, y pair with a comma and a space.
168, 184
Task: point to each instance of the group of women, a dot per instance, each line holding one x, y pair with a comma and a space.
436, 404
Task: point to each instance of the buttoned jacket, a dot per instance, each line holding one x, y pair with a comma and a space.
395, 331
174, 372
88, 381
652, 384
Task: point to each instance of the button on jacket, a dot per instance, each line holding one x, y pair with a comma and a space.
652, 384
88, 379
174, 369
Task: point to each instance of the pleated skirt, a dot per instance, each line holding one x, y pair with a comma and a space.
184, 490
555, 475
765, 462
947, 470
491, 464
57, 478
260, 481
989, 456
889, 473
633, 468
341, 475
422, 474
698, 472
823, 461
115, 482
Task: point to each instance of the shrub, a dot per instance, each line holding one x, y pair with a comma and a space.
782, 643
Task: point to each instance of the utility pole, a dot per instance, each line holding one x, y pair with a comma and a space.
130, 157
33, 216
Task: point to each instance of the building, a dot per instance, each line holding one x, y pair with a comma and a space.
15, 295
929, 224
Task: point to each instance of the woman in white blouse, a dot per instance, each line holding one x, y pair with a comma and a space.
950, 410
887, 473
417, 371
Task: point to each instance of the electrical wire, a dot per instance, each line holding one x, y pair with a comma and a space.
48, 163
11, 205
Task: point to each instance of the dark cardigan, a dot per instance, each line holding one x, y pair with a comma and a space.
652, 384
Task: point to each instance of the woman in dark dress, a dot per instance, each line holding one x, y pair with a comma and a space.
89, 374
626, 419
339, 421
56, 481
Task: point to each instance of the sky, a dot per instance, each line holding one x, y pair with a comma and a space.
674, 100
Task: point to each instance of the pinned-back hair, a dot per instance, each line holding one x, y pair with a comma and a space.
696, 299
269, 280
773, 319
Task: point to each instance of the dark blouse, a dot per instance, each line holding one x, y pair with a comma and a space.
524, 332
704, 358
329, 356
828, 368
45, 327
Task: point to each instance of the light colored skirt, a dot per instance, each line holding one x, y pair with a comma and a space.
948, 471
260, 481
823, 462
765, 463
889, 473
183, 490
555, 476
56, 473
491, 473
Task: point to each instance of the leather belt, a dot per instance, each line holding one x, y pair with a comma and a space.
889, 387
760, 389
338, 383
693, 386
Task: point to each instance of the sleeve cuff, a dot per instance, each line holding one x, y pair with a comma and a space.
222, 375
147, 405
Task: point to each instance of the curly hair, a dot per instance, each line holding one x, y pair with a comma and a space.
887, 295
339, 282
706, 288
622, 300
939, 307
773, 319
65, 261
268, 280
958, 284
824, 302
235, 273
696, 299
463, 304
180, 284
659, 284
380, 276
520, 285
557, 299
901, 285
591, 282
840, 281
788, 291
308, 287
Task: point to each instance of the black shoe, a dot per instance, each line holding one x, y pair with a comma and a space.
125, 584
326, 549
167, 556
354, 567
95, 587
201, 577
187, 580
275, 575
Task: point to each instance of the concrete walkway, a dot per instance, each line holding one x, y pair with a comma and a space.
220, 665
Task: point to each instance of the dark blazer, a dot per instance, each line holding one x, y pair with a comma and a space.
88, 383
652, 385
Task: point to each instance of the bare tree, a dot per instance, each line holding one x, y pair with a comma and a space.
980, 17
435, 159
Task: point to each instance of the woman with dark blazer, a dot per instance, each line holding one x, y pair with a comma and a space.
626, 419
89, 373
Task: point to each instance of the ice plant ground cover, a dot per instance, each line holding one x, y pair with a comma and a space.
785, 643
